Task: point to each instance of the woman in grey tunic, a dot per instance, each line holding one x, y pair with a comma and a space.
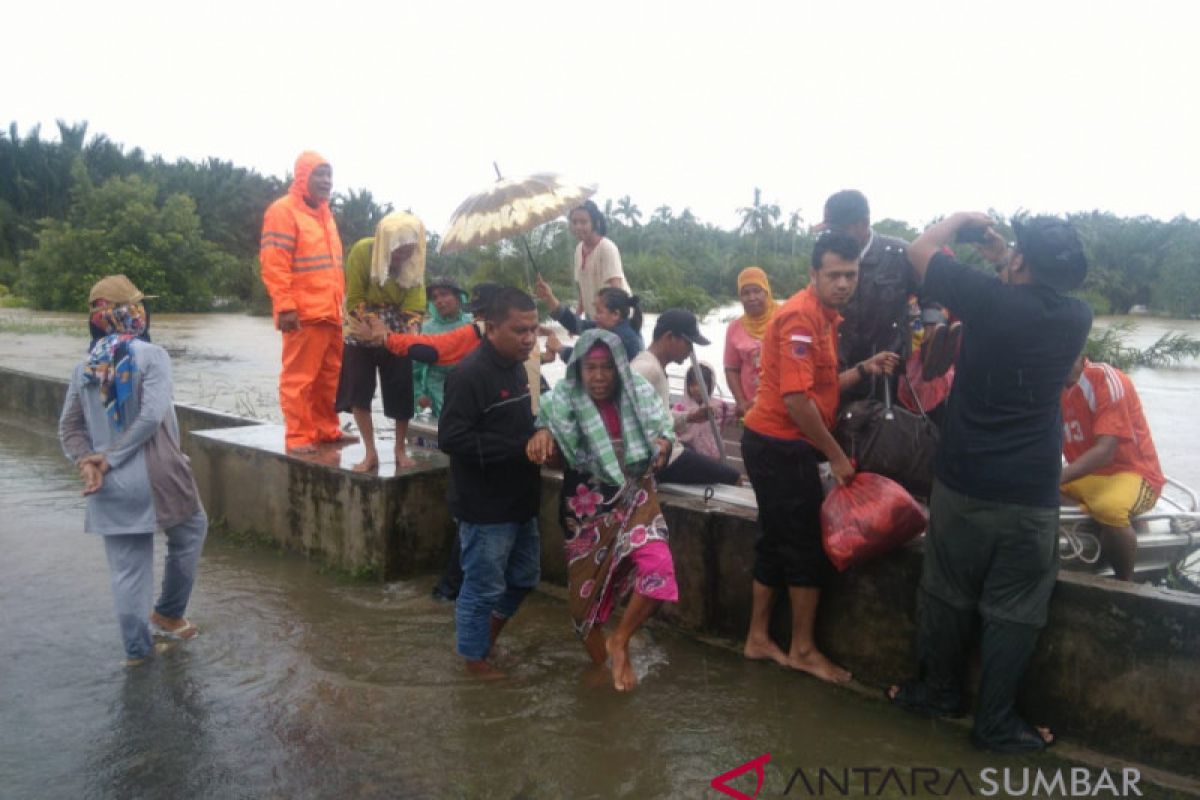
118, 427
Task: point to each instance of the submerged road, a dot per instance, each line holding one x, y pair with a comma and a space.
305, 686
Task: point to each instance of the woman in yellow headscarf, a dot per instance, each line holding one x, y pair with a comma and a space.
743, 340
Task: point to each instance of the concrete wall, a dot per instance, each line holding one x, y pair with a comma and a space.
1117, 668
362, 524
27, 394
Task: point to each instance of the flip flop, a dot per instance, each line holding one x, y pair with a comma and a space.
915, 697
183, 633
1022, 738
931, 348
942, 351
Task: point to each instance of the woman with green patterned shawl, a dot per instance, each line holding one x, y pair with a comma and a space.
612, 431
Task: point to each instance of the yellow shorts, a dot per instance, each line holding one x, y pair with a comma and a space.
1112, 499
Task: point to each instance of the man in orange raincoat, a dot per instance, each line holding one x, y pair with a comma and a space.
301, 257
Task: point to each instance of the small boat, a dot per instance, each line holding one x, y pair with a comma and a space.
1167, 535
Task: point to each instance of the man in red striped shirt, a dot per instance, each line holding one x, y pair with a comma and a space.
1112, 470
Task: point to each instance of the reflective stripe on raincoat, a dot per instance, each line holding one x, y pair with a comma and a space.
301, 253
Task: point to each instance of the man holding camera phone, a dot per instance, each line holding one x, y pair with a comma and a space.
992, 544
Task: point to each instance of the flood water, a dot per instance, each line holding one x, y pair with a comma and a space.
303, 685
231, 362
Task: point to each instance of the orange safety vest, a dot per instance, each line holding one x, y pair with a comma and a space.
301, 253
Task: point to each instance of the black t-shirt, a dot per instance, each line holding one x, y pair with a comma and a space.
1003, 435
484, 426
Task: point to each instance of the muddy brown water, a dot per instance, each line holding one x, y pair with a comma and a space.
304, 685
231, 362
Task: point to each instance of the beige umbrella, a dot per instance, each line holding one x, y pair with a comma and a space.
511, 207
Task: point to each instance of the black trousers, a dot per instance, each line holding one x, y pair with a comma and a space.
989, 560
698, 469
356, 386
787, 486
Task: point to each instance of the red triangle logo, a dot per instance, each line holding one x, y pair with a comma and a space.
757, 764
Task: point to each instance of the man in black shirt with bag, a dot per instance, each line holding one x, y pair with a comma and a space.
992, 544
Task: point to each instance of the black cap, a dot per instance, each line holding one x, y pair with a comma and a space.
481, 296
681, 323
1053, 251
442, 282
845, 208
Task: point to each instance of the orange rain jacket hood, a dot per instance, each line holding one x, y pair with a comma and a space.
301, 253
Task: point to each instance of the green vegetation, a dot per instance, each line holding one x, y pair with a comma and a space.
1111, 345
74, 209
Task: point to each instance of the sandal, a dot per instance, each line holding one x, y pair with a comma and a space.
917, 698
183, 633
932, 347
1020, 738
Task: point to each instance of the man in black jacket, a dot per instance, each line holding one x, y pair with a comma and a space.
495, 490
876, 318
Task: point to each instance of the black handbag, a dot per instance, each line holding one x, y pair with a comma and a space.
890, 440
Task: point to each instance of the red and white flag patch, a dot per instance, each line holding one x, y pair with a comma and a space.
801, 341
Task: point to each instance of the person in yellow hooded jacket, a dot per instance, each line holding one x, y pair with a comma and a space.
301, 257
385, 280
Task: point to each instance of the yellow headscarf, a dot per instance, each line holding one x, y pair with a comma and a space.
757, 326
396, 230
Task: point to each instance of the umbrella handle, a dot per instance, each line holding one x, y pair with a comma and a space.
532, 262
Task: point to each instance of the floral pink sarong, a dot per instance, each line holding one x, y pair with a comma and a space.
617, 544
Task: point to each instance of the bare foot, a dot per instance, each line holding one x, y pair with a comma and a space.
764, 650
403, 460
816, 664
484, 671
302, 450
369, 464
596, 646
623, 676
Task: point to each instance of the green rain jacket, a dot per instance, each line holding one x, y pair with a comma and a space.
430, 380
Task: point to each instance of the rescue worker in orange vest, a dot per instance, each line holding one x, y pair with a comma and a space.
301, 257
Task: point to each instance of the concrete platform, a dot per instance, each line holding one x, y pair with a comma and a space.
381, 524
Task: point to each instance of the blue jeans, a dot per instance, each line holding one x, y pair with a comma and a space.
501, 562
131, 570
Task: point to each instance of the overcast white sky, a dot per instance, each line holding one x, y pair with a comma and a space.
926, 107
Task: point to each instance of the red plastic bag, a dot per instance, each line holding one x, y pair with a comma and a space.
871, 516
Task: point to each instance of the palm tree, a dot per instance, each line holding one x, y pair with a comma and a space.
628, 211
358, 214
795, 223
757, 218
662, 214
751, 218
